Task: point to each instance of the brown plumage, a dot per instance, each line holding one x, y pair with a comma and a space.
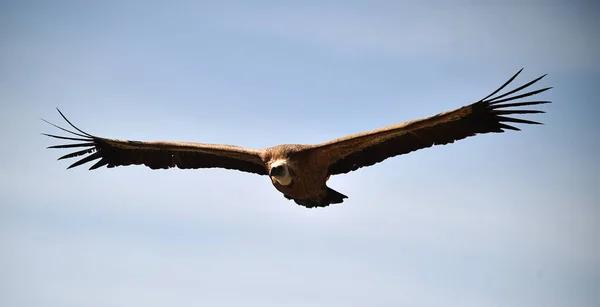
300, 172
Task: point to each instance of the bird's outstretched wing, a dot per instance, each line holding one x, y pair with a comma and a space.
157, 155
490, 114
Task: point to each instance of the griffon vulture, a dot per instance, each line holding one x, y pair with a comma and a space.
300, 172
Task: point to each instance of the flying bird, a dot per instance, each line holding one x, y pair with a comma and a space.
300, 172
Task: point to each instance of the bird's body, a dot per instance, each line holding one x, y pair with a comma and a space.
300, 172
299, 179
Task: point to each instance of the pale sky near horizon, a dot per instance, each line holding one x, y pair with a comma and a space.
495, 220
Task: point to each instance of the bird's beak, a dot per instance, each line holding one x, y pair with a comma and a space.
277, 171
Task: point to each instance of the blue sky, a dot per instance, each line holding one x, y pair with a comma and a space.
495, 220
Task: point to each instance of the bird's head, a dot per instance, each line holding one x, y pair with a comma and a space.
280, 173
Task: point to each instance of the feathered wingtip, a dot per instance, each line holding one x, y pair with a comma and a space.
80, 136
497, 105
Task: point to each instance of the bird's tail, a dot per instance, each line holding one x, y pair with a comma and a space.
334, 197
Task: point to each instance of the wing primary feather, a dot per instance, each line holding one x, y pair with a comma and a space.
65, 118
517, 120
73, 145
77, 153
505, 126
518, 96
505, 112
87, 159
503, 85
494, 105
65, 137
518, 88
66, 130
518, 104
100, 163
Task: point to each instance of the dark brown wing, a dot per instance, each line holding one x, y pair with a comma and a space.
490, 114
158, 155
